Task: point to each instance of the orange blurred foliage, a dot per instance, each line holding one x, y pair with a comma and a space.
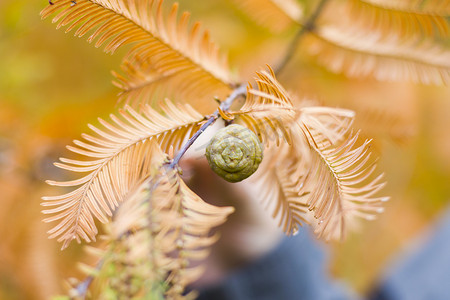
52, 85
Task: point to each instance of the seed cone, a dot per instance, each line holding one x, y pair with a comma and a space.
234, 153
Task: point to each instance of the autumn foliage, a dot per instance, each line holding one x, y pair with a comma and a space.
175, 82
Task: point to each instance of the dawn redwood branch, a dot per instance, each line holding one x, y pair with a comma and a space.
308, 26
225, 105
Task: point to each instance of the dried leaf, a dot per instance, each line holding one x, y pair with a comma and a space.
276, 15
340, 182
169, 47
358, 53
268, 110
388, 18
120, 157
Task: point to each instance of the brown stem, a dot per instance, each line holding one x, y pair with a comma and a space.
225, 105
82, 287
308, 26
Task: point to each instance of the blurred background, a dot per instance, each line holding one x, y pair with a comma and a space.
53, 84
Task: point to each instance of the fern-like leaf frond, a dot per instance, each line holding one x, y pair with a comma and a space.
340, 182
280, 183
130, 262
170, 47
388, 19
141, 83
194, 236
155, 240
277, 184
332, 123
179, 223
119, 161
267, 110
276, 15
323, 179
437, 8
359, 53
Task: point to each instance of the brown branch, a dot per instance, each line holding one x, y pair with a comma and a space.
83, 287
308, 26
225, 105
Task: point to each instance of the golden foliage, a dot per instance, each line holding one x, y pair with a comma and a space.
178, 221
322, 179
172, 50
124, 266
332, 123
142, 83
387, 40
276, 15
388, 17
267, 110
348, 173
319, 176
278, 181
119, 162
437, 8
156, 238
359, 53
197, 218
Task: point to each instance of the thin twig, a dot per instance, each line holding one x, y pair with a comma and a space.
83, 287
239, 91
308, 26
225, 105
